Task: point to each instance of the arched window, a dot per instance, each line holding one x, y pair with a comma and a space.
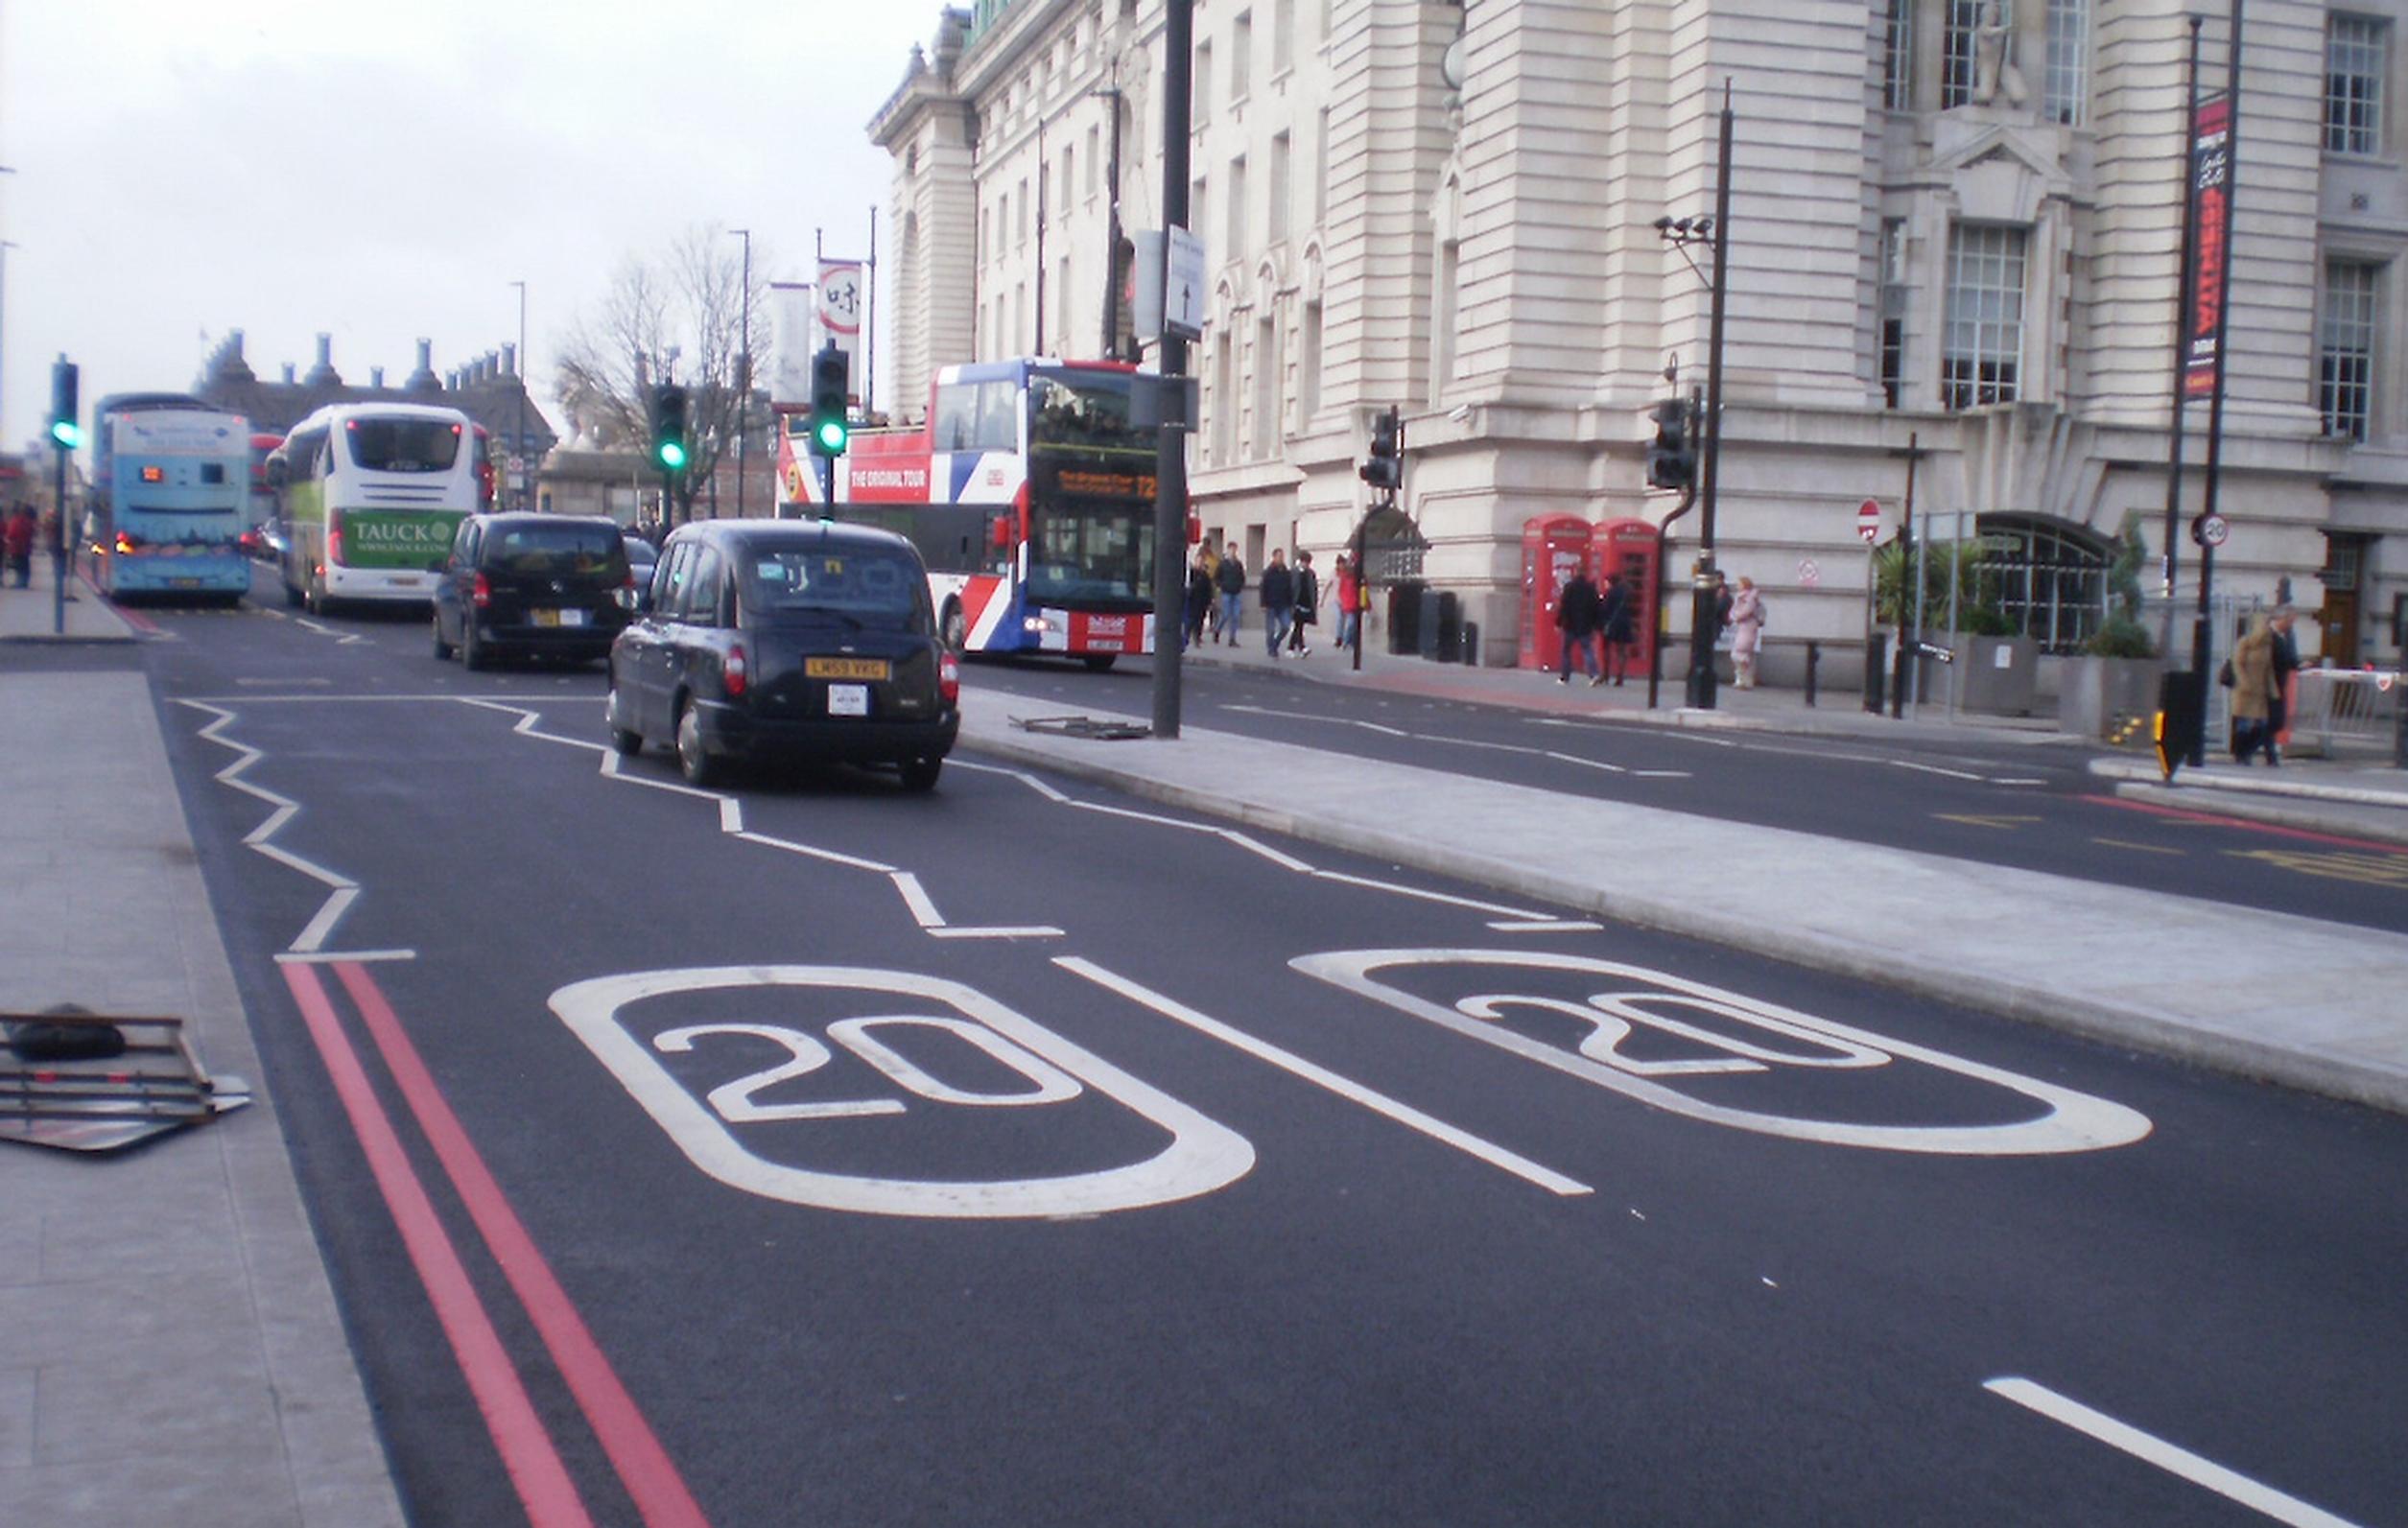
2049, 578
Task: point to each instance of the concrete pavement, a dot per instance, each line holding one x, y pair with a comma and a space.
189, 1364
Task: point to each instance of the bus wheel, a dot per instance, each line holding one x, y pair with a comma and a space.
1099, 662
316, 598
292, 595
954, 629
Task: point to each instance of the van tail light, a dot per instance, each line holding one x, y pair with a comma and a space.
949, 677
481, 593
127, 541
734, 673
627, 593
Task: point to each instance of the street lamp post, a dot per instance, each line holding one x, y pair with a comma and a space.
1705, 616
744, 368
518, 446
1112, 228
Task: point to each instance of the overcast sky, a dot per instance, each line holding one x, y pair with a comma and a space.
381, 170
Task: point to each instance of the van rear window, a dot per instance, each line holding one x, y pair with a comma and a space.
403, 444
566, 548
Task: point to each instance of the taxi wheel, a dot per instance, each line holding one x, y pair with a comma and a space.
442, 648
693, 761
628, 742
472, 653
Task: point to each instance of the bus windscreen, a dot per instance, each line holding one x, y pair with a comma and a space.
400, 444
1087, 410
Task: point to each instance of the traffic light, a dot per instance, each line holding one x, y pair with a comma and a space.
1386, 469
830, 378
1671, 458
64, 429
669, 427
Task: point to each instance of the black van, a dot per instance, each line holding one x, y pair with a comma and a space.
533, 583
788, 639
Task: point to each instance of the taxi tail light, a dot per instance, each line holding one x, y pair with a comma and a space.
735, 672
949, 677
481, 593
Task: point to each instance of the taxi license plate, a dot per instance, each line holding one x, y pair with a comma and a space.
845, 668
559, 618
849, 700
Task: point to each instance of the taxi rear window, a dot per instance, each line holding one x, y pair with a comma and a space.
858, 583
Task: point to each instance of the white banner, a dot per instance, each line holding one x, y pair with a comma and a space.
843, 301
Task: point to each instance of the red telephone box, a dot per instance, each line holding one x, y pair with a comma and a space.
1553, 548
1633, 551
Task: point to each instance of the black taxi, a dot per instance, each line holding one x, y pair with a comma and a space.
786, 640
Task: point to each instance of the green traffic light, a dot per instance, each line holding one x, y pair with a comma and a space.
66, 432
831, 435
673, 456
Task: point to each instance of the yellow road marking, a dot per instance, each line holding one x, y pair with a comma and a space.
2336, 864
2143, 848
1981, 820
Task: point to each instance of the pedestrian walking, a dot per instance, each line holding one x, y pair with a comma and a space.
1577, 611
1617, 624
1350, 603
2251, 672
1278, 594
1230, 578
1308, 605
16, 544
1747, 631
1199, 601
1209, 557
2286, 663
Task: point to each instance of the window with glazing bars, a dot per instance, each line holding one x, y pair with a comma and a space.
1983, 340
2066, 88
2345, 347
2355, 60
1956, 53
1893, 315
1898, 56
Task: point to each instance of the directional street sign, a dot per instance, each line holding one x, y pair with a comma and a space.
1868, 520
1183, 286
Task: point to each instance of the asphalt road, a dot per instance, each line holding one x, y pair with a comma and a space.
1026, 1154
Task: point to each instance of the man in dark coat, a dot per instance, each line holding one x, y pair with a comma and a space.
1279, 601
1577, 611
1616, 627
1230, 578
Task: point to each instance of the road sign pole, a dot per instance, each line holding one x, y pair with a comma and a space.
1171, 451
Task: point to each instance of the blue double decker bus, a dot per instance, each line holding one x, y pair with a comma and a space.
171, 488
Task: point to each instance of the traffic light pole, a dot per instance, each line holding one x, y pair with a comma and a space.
1704, 620
1171, 458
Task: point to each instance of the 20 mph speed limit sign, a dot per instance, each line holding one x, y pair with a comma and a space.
1868, 520
2210, 530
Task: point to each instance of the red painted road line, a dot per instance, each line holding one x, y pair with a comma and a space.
535, 1470
142, 623
2371, 846
645, 1468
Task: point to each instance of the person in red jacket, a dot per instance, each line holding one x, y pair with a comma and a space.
16, 544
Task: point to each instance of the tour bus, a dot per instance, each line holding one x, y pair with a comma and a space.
373, 493
171, 485
1030, 495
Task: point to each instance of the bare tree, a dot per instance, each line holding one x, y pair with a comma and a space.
676, 317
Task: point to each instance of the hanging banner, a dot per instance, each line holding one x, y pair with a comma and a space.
842, 294
793, 318
2212, 205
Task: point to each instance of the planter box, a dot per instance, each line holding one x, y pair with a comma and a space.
2106, 697
1998, 674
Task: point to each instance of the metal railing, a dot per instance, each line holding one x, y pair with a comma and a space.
2337, 710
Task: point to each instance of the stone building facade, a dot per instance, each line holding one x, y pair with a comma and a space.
1955, 227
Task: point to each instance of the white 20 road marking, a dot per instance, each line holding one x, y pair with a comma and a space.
2074, 1121
1202, 1156
2168, 1457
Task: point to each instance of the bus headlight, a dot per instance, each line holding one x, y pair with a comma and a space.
1040, 623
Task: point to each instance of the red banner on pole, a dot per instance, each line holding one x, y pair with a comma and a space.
2212, 202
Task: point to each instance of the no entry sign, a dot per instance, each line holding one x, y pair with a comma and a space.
1868, 520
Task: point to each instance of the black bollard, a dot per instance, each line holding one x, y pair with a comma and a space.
1814, 657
